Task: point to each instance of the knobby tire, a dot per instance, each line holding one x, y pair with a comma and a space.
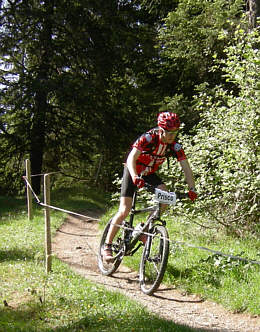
154, 260
108, 269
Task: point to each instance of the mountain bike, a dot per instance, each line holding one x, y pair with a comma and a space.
155, 243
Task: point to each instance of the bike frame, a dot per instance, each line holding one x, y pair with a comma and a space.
156, 248
133, 211
154, 216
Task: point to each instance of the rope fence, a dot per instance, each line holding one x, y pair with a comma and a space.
196, 247
47, 206
38, 201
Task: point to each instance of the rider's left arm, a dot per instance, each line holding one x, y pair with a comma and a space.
188, 173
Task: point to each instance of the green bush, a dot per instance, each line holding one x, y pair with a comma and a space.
224, 151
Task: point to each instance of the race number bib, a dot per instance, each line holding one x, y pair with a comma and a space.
165, 197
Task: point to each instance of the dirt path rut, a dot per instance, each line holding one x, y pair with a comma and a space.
76, 243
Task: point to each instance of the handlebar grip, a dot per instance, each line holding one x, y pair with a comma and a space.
180, 195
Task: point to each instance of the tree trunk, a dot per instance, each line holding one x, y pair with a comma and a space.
38, 139
38, 130
254, 12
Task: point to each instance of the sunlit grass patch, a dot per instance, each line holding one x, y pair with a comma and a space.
33, 301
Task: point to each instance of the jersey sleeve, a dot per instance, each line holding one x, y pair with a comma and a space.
144, 142
178, 151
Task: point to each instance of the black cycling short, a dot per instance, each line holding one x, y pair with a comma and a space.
128, 188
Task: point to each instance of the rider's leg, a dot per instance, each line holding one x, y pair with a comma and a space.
127, 191
123, 211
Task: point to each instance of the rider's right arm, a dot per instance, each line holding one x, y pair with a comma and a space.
131, 161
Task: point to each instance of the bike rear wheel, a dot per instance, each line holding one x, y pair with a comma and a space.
154, 260
118, 248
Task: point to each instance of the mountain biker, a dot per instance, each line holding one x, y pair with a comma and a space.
148, 152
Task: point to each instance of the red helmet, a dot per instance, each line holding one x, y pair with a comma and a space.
168, 121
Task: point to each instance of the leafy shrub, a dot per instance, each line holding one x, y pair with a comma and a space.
224, 150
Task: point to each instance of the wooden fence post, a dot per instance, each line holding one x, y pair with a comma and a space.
47, 222
29, 193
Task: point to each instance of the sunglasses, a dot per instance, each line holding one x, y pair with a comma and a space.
171, 132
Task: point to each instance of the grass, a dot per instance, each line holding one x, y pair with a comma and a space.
233, 283
61, 301
229, 282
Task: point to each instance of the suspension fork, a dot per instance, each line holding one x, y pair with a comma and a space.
150, 220
155, 215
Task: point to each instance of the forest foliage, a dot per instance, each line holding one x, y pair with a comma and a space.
81, 80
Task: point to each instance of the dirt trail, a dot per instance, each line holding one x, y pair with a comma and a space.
76, 243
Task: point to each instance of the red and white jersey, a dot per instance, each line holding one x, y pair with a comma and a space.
154, 152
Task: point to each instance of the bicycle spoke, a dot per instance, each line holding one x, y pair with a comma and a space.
154, 260
109, 267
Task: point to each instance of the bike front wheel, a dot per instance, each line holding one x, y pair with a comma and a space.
154, 260
118, 249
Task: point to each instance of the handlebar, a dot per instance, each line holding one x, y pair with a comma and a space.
149, 187
179, 195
